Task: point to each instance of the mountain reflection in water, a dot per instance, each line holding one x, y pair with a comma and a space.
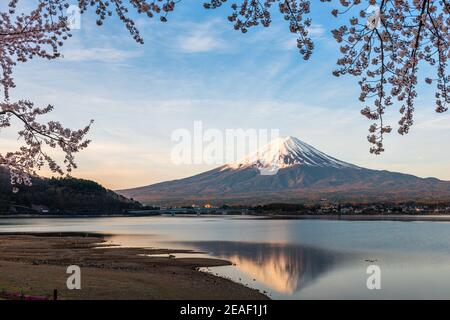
281, 267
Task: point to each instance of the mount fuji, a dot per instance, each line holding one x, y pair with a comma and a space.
292, 171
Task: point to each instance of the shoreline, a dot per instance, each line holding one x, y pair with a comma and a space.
344, 217
359, 217
35, 265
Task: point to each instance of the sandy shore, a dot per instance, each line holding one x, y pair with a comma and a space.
36, 265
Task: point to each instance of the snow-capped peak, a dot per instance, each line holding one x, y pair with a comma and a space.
286, 152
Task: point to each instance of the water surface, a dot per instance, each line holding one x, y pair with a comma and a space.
290, 259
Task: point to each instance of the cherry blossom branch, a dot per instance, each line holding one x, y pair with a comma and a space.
32, 156
251, 13
407, 32
40, 34
384, 56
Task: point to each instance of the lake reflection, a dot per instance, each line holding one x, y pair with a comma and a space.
280, 267
290, 259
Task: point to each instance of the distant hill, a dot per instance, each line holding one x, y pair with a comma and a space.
290, 171
61, 195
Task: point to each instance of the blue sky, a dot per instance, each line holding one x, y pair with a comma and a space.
196, 67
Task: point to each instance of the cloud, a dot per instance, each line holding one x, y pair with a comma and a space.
99, 54
433, 124
201, 38
316, 32
199, 43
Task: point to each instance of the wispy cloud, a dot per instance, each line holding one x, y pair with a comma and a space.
435, 123
139, 94
199, 43
201, 38
317, 32
99, 54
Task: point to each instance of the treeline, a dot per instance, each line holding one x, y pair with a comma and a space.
285, 207
61, 195
354, 208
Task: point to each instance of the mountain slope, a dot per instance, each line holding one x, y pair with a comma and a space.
286, 152
61, 195
290, 170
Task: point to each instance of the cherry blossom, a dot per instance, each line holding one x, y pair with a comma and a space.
24, 37
387, 57
251, 13
383, 51
32, 156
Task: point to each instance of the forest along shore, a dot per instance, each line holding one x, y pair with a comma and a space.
35, 265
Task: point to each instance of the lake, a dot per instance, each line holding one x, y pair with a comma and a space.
290, 259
